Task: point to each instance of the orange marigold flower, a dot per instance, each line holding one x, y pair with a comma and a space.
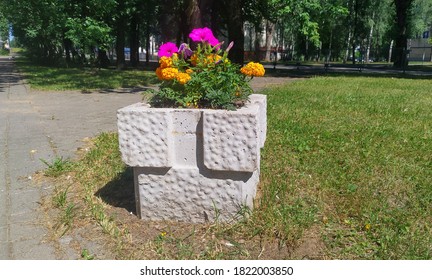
165, 62
169, 73
183, 78
189, 71
159, 73
253, 69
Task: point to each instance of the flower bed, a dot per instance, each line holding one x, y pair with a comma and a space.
204, 78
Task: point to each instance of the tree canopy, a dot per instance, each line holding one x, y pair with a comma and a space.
86, 31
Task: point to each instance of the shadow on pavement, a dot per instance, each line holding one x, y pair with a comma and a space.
7, 76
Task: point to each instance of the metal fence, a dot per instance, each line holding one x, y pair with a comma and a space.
423, 54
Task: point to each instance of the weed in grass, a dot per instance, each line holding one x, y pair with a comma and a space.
86, 255
57, 167
60, 197
69, 214
67, 218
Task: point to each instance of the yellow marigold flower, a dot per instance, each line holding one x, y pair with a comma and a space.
183, 78
159, 73
189, 71
253, 69
169, 73
194, 59
165, 62
212, 58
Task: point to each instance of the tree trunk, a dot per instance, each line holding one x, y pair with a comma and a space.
134, 41
120, 40
235, 30
68, 47
390, 51
102, 59
206, 8
193, 14
347, 47
257, 42
120, 46
147, 42
270, 29
369, 42
402, 21
168, 22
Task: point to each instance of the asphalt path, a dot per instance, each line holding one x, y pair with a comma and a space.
35, 126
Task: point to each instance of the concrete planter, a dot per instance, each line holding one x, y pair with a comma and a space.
193, 165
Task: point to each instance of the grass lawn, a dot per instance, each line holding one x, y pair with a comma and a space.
347, 169
353, 157
85, 79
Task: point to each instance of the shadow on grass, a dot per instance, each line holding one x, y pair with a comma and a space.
84, 78
370, 71
120, 192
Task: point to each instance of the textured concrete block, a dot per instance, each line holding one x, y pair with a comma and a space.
261, 101
193, 165
231, 139
143, 136
186, 132
187, 195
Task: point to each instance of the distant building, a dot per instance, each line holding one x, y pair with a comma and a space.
420, 48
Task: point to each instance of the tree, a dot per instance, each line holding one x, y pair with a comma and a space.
235, 25
332, 21
38, 25
4, 27
89, 36
402, 21
282, 16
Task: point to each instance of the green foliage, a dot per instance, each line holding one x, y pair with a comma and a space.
88, 33
41, 26
421, 13
38, 25
57, 167
222, 86
4, 28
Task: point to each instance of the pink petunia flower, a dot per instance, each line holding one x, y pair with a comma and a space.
167, 49
204, 35
213, 41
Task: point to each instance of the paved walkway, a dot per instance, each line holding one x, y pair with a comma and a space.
34, 126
